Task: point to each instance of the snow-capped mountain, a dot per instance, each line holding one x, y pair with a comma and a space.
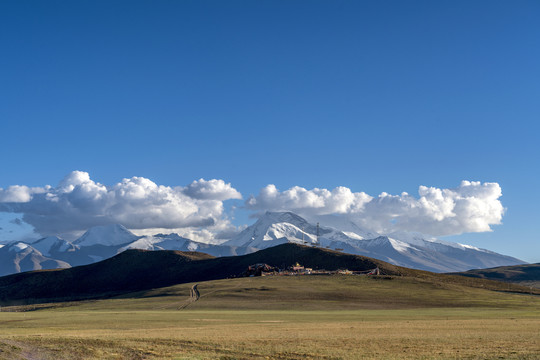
176, 242
101, 242
404, 249
52, 245
96, 244
273, 228
19, 256
106, 235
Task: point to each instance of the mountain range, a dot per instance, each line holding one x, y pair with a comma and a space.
404, 249
271, 229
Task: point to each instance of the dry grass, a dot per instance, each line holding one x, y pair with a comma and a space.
231, 321
400, 334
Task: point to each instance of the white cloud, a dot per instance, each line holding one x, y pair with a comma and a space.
341, 200
218, 233
471, 207
197, 211
78, 203
211, 189
19, 193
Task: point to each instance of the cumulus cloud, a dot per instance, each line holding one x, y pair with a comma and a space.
341, 200
78, 203
211, 189
218, 233
471, 207
19, 193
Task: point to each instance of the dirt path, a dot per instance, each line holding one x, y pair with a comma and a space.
194, 295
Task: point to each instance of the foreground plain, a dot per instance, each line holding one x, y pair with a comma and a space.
317, 317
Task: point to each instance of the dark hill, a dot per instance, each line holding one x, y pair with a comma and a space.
135, 270
130, 270
528, 275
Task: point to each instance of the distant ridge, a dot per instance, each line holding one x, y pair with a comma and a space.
526, 275
19, 256
135, 270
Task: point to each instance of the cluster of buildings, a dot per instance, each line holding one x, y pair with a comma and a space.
297, 269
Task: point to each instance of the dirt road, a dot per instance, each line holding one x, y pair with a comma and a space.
194, 295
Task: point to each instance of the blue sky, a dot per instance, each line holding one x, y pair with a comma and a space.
374, 96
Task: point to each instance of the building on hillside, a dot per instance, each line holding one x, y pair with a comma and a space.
297, 267
260, 270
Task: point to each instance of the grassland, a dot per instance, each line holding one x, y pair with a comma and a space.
318, 317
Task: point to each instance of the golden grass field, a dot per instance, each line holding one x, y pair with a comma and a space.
333, 317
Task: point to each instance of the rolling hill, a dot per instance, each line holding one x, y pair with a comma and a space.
526, 275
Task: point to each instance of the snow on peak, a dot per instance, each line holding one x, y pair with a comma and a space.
18, 246
281, 217
352, 235
161, 242
461, 246
343, 224
143, 243
412, 238
108, 235
46, 245
274, 228
419, 239
400, 246
193, 246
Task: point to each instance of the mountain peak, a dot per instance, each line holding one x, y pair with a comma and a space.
108, 235
18, 246
284, 216
52, 243
275, 228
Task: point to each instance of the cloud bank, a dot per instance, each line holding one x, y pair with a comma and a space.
196, 210
471, 207
78, 203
